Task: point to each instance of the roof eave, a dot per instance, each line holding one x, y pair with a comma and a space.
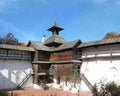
98, 45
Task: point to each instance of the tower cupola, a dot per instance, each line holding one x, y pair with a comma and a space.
55, 29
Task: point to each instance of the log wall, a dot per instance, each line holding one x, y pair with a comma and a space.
61, 56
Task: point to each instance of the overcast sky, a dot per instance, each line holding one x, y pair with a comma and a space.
88, 20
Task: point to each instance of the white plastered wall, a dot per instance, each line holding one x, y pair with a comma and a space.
12, 72
104, 69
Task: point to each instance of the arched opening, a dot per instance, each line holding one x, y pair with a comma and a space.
113, 74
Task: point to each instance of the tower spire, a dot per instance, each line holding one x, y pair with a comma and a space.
55, 29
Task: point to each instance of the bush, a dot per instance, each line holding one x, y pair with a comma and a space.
113, 88
95, 90
4, 93
110, 88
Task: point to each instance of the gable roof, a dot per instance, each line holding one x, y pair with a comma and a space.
100, 42
39, 45
65, 45
55, 39
16, 47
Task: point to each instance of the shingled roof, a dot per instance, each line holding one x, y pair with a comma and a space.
65, 45
39, 45
55, 39
55, 42
16, 47
100, 42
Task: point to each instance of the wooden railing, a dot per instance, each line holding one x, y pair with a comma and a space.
87, 82
24, 80
109, 53
15, 57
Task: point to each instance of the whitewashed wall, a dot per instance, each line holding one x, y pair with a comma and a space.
12, 72
103, 67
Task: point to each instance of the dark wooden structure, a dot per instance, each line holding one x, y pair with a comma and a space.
55, 52
13, 52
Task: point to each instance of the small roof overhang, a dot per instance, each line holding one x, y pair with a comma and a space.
100, 42
16, 47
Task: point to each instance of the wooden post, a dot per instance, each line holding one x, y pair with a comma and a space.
111, 52
35, 69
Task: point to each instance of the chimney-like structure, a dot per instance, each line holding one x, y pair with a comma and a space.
43, 38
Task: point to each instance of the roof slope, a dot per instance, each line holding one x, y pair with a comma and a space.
39, 45
67, 45
15, 47
55, 39
100, 42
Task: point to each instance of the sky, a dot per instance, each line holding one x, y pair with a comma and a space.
87, 20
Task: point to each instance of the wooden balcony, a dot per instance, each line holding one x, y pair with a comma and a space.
15, 57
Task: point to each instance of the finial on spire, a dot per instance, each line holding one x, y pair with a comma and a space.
55, 17
55, 28
55, 23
